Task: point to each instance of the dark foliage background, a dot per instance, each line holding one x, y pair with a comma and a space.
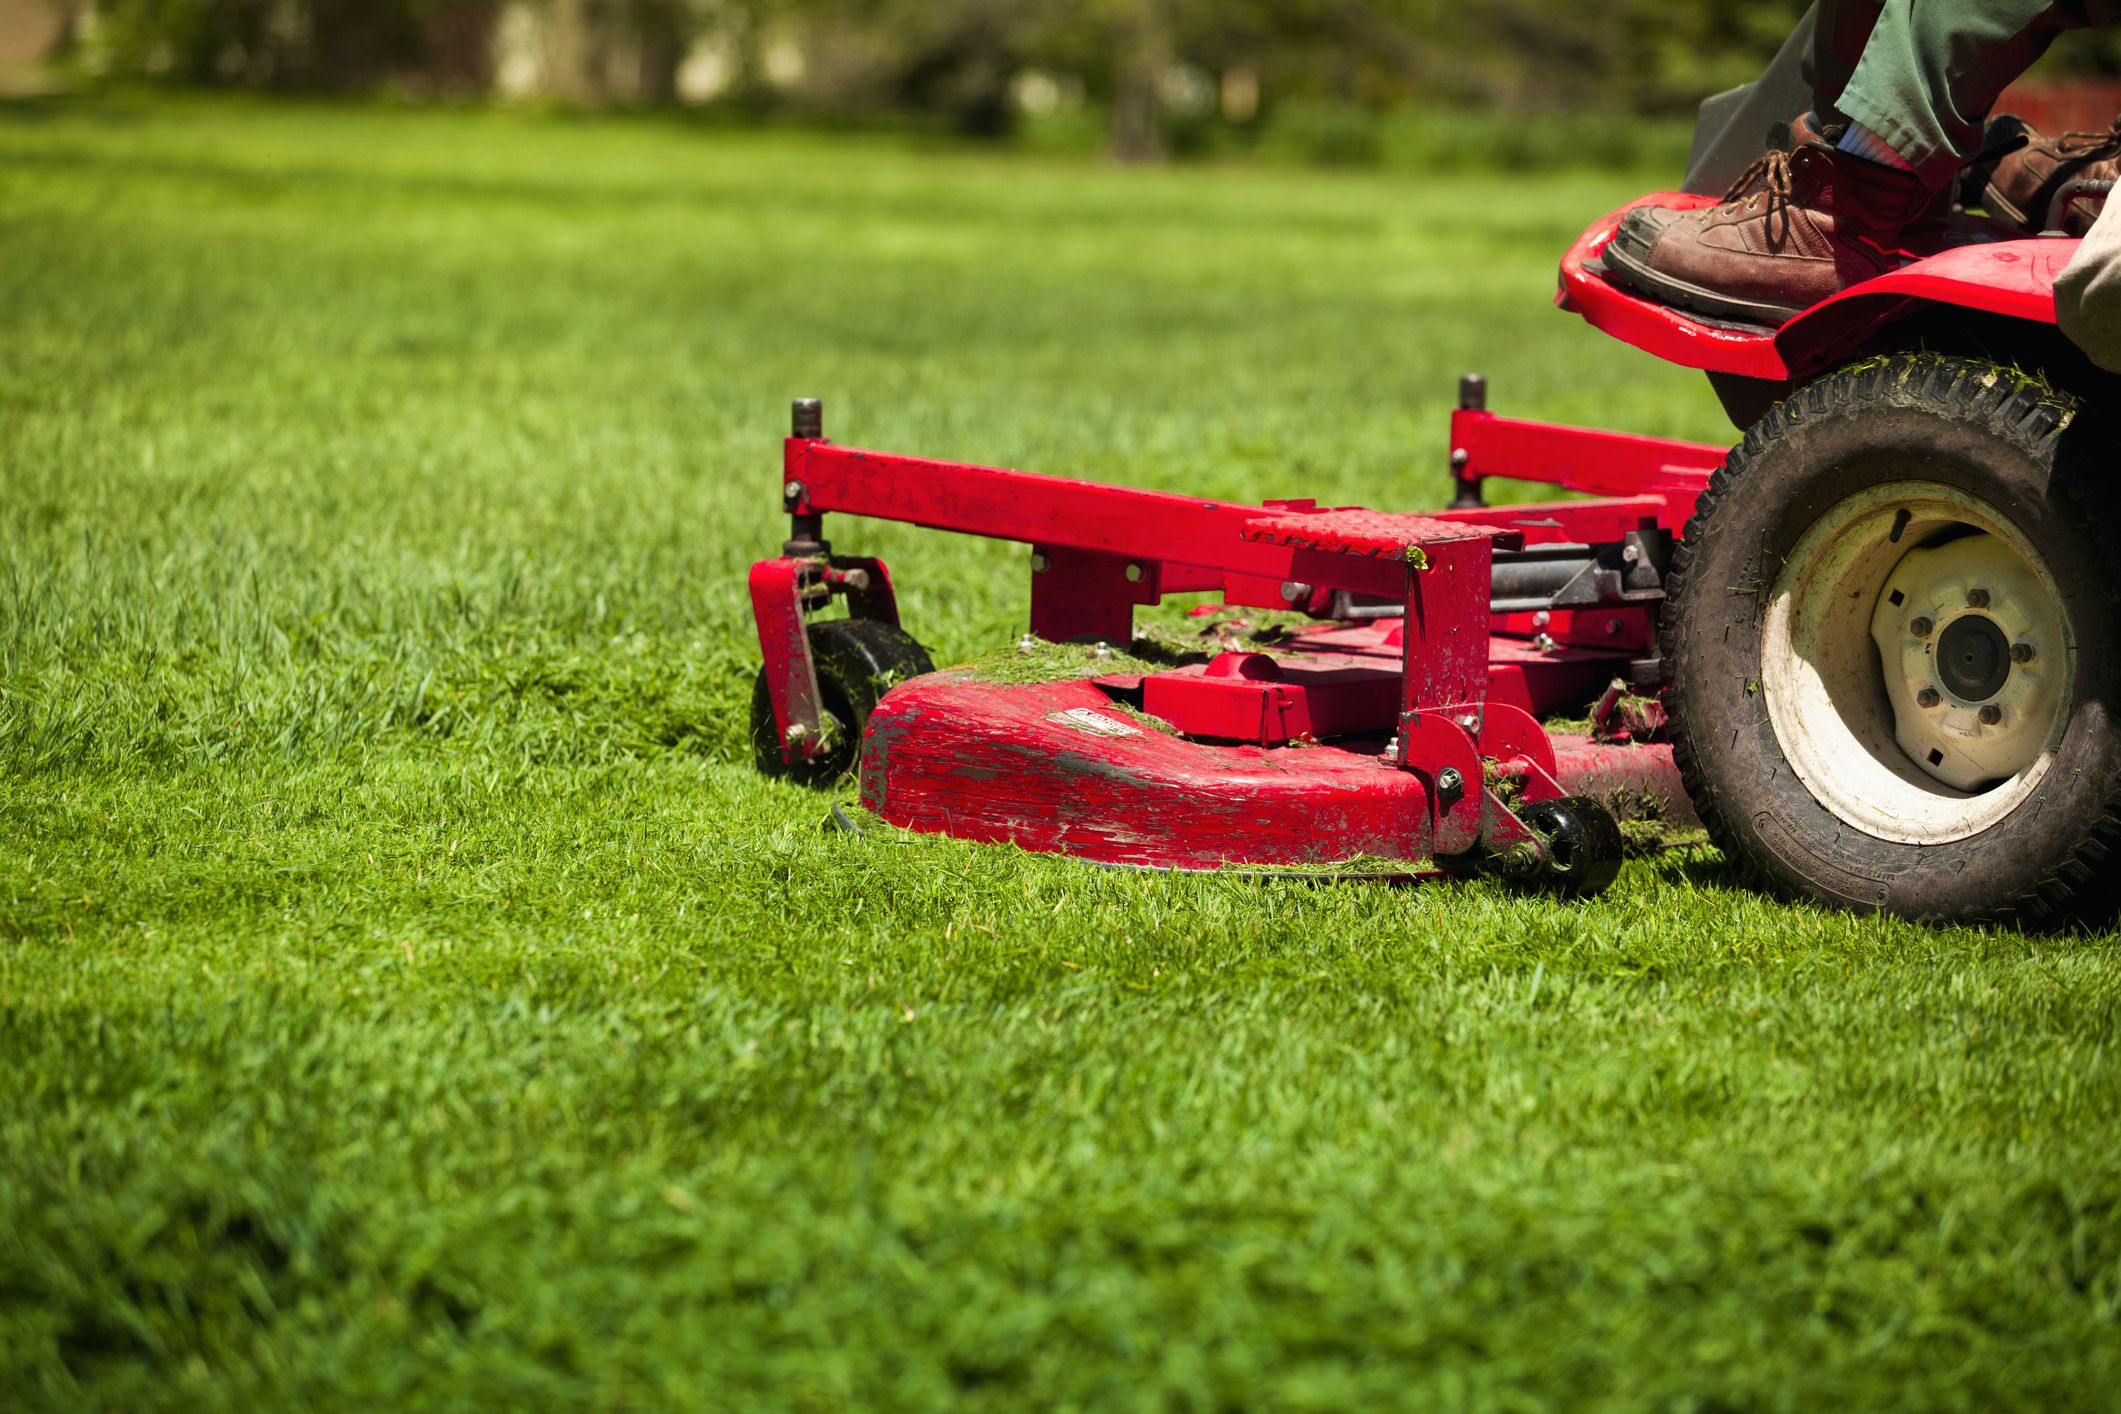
1147, 77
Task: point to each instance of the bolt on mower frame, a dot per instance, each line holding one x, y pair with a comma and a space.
1447, 631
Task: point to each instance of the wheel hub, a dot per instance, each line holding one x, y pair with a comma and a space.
1973, 658
1915, 663
1969, 635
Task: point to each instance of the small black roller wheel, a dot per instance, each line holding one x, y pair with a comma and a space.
1893, 642
858, 661
1584, 847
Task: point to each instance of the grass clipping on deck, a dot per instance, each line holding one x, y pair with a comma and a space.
1157, 645
1035, 660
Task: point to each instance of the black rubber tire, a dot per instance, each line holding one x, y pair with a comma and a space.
858, 661
1584, 846
2026, 451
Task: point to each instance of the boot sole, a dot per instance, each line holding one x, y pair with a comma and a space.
1631, 270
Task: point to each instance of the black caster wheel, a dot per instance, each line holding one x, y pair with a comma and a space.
858, 661
1583, 844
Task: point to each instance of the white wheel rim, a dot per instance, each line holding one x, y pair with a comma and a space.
1880, 671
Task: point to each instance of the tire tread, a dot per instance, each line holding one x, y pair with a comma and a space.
2002, 402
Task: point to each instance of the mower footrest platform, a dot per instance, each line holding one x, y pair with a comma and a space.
1446, 580
1372, 534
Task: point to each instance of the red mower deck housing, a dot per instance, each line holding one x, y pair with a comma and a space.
1061, 767
1402, 725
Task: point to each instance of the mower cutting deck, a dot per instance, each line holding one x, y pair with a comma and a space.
1886, 626
1401, 725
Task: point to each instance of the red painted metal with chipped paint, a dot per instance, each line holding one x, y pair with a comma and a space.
1648, 481
784, 644
1377, 737
1257, 698
1060, 767
1064, 767
781, 590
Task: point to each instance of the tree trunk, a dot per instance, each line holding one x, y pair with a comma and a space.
658, 25
1144, 53
457, 46
578, 51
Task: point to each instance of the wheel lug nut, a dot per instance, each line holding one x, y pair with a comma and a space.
2021, 652
1920, 626
1977, 598
1927, 697
1990, 714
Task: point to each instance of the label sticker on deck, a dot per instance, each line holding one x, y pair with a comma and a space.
1089, 719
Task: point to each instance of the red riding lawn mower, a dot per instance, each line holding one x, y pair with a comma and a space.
1871, 648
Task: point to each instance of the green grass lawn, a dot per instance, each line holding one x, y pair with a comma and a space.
408, 993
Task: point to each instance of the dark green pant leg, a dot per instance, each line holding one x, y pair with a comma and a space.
1928, 71
1839, 33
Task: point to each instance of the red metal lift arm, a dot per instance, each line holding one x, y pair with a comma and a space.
1099, 550
1059, 513
1661, 476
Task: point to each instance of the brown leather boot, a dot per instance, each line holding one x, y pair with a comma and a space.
2021, 173
1798, 226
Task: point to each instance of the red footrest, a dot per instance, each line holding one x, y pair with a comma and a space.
1373, 533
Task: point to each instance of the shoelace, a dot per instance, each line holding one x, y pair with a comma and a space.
1769, 176
2076, 144
2086, 148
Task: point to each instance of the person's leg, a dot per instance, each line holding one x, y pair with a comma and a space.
1929, 72
1838, 37
1901, 90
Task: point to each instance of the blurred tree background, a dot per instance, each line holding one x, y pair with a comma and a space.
1322, 80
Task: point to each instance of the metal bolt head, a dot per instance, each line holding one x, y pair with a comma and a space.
1449, 781
1928, 697
2021, 652
792, 492
1990, 714
1294, 590
1630, 554
1134, 574
1612, 628
1039, 563
1977, 598
796, 735
1920, 626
